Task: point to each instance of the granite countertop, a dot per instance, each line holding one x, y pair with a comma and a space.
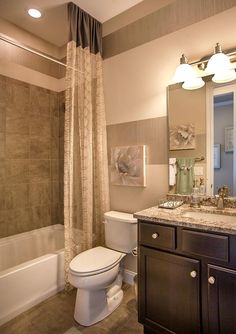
175, 217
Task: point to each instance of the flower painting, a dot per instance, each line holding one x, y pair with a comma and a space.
182, 137
128, 166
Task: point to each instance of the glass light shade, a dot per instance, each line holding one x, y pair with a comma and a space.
193, 83
224, 76
218, 61
183, 72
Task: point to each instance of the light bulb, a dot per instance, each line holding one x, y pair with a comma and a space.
35, 13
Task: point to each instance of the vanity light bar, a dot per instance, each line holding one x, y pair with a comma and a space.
220, 65
202, 63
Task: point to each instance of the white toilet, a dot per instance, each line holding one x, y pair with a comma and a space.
96, 272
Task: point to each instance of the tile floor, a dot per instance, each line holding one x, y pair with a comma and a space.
55, 316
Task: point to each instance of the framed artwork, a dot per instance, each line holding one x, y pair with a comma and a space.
217, 156
182, 137
128, 167
229, 139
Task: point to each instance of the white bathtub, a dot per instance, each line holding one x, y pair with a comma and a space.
31, 269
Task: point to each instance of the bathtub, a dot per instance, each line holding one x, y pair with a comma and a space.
31, 269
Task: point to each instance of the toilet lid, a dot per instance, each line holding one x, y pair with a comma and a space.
95, 261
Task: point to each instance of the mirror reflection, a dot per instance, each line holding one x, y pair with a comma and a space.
201, 139
223, 128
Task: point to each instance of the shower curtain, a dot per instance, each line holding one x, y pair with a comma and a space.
86, 192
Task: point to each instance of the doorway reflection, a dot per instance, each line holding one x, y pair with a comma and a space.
223, 142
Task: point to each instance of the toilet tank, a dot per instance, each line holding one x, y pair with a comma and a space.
120, 231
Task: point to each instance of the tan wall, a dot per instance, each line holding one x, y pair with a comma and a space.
28, 67
175, 16
133, 14
29, 39
135, 90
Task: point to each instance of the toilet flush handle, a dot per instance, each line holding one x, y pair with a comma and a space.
134, 251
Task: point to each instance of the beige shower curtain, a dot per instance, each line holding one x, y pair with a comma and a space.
86, 194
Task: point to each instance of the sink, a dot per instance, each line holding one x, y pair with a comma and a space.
212, 217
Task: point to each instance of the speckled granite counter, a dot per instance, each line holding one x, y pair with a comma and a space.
176, 217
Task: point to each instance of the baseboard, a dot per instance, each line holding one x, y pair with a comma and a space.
128, 276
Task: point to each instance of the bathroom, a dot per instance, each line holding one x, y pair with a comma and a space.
142, 42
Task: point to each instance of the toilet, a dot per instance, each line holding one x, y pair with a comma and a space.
96, 272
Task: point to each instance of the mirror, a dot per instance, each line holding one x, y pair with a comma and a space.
201, 137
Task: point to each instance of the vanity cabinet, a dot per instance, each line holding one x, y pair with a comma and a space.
187, 280
170, 288
221, 300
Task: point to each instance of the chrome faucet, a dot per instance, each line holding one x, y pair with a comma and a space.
222, 193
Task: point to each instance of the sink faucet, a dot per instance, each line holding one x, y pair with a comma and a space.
222, 193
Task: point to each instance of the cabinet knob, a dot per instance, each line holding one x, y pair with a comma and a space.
211, 280
155, 235
193, 274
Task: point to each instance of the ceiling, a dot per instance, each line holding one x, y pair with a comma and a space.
52, 26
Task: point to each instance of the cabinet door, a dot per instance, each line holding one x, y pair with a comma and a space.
221, 300
169, 292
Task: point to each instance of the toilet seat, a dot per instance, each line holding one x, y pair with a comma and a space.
95, 261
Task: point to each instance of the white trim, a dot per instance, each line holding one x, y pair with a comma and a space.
128, 276
209, 139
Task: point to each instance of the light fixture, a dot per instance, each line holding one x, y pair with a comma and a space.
219, 65
218, 62
185, 73
35, 13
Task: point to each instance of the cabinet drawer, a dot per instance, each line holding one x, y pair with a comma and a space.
157, 235
205, 244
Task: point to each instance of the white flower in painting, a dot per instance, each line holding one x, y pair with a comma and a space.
127, 165
182, 137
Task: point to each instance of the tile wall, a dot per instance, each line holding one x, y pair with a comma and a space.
30, 159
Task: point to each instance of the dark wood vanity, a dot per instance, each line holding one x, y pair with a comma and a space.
186, 278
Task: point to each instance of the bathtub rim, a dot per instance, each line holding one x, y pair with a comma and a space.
17, 236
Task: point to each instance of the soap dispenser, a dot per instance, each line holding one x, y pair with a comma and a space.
202, 189
195, 198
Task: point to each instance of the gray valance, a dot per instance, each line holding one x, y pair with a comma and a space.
84, 29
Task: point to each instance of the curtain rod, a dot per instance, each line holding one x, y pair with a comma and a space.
24, 47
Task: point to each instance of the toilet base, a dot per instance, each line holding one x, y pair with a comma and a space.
93, 306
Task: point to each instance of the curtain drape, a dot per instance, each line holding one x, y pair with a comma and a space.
86, 192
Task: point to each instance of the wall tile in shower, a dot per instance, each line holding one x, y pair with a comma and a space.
30, 192
39, 148
39, 194
17, 146
16, 196
14, 171
39, 170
